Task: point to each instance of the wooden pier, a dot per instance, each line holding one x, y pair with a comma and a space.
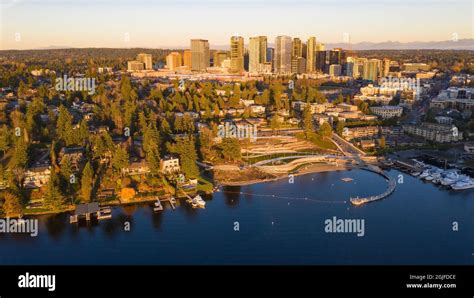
171, 201
391, 188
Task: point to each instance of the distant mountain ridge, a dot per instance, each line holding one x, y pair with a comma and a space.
461, 44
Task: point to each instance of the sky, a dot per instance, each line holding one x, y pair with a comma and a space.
31, 24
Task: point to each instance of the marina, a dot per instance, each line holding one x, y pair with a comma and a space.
451, 179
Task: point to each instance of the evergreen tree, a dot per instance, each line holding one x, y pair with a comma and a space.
87, 180
230, 149
53, 198
325, 130
120, 159
64, 126
308, 124
186, 150
12, 205
5, 139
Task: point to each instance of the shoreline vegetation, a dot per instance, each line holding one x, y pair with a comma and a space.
247, 176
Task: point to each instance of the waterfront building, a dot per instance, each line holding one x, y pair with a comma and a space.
200, 56
169, 165
439, 133
37, 176
139, 167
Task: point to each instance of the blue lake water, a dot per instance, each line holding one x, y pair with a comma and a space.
412, 226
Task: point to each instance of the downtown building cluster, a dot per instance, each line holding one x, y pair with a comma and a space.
285, 56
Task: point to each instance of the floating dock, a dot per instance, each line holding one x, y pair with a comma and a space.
158, 206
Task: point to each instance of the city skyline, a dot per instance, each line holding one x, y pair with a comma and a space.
165, 24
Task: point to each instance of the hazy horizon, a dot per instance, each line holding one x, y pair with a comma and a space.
34, 24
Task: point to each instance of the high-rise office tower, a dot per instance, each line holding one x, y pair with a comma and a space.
386, 67
311, 54
200, 56
297, 50
174, 60
236, 54
298, 65
320, 64
219, 57
271, 57
371, 68
145, 59
257, 53
283, 50
337, 56
335, 70
187, 58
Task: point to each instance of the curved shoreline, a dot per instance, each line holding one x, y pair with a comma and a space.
315, 168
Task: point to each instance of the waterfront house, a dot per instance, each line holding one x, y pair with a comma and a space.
37, 176
139, 167
75, 156
169, 165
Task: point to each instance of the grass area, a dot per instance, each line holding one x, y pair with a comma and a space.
319, 141
253, 160
298, 167
33, 211
204, 185
325, 144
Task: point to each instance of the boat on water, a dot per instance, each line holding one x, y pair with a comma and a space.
199, 201
196, 202
450, 177
425, 174
429, 178
463, 184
